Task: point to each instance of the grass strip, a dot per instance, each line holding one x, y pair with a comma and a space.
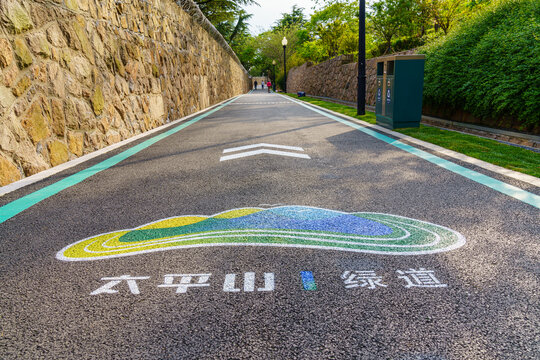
490, 151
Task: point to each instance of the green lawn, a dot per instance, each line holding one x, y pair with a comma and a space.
491, 151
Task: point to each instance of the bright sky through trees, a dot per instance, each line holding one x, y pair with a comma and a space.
265, 15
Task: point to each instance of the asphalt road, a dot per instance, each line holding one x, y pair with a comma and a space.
345, 247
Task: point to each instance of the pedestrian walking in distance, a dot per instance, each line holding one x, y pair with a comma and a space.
255, 85
262, 84
269, 85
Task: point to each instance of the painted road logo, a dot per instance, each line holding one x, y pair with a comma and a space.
283, 226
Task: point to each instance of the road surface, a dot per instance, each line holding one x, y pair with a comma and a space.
265, 229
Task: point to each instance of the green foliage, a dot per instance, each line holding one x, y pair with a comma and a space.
295, 19
332, 31
489, 65
227, 16
389, 18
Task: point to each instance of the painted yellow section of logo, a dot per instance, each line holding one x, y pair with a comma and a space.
284, 226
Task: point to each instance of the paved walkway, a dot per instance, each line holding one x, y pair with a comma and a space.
265, 229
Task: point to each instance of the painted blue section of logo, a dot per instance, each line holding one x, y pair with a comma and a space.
308, 281
282, 218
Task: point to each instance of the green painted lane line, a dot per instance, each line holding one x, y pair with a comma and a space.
502, 187
13, 208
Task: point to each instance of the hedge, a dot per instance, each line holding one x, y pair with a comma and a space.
489, 65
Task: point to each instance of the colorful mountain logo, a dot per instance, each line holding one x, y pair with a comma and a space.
283, 226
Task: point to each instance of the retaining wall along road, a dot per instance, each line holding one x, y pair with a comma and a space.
335, 78
78, 75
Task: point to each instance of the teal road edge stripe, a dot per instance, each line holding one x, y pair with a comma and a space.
15, 207
502, 187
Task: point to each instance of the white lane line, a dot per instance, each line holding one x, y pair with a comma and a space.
263, 151
296, 148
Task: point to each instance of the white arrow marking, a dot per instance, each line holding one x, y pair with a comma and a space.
263, 145
263, 151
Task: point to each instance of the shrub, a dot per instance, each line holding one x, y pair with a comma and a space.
490, 64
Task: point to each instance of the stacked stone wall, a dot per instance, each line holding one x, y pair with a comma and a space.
335, 78
78, 75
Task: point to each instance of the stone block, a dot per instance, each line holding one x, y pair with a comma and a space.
39, 44
78, 28
94, 139
98, 101
55, 36
80, 67
6, 53
21, 86
8, 171
31, 162
56, 80
75, 142
8, 142
72, 4
35, 123
22, 54
58, 123
58, 152
6, 100
112, 137
18, 19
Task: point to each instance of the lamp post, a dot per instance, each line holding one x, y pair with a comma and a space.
274, 73
284, 43
361, 93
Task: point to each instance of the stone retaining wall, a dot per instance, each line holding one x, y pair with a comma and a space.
335, 78
78, 75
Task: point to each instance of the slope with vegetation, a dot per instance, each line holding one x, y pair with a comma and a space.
490, 66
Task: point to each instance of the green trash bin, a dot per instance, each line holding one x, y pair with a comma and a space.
398, 97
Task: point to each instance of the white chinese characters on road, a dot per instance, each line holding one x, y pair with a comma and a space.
251, 282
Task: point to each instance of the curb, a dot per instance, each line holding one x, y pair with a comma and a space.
532, 180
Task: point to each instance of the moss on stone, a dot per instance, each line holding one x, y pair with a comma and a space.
97, 101
58, 152
35, 123
8, 172
155, 71
72, 4
119, 66
81, 35
23, 55
18, 17
21, 86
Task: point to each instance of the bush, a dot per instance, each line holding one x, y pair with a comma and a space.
490, 65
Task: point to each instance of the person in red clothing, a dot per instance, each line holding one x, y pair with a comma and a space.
268, 85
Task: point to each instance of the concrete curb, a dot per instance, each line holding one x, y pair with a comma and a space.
532, 180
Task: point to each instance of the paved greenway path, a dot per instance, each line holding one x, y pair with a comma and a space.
268, 230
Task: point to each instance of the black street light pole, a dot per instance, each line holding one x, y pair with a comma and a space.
274, 73
284, 43
361, 94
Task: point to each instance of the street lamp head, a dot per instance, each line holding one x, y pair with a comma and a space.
284, 41
273, 62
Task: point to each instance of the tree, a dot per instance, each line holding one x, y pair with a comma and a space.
389, 18
295, 18
445, 12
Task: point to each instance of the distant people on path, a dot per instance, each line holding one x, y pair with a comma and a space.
262, 85
268, 85
255, 84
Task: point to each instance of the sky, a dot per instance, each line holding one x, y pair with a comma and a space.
265, 15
